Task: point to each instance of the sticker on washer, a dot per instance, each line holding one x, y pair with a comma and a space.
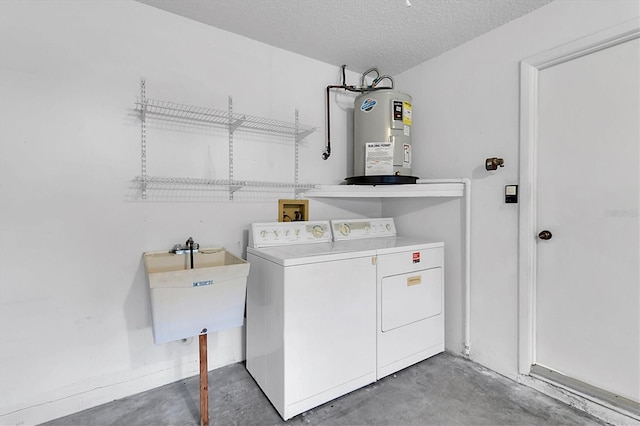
368, 105
416, 257
202, 283
378, 158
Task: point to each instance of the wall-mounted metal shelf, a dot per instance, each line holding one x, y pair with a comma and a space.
155, 109
232, 185
174, 112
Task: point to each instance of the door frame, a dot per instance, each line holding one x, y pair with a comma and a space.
527, 232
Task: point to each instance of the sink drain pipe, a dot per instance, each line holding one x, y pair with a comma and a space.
204, 365
204, 379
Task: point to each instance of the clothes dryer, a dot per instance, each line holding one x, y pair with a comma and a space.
409, 291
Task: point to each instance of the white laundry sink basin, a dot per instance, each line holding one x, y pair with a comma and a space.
187, 302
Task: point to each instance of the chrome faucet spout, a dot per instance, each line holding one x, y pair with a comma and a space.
189, 246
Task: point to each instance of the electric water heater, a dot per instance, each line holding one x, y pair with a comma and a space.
382, 138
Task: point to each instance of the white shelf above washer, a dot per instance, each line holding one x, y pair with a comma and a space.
417, 190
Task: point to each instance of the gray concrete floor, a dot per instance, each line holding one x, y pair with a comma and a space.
442, 390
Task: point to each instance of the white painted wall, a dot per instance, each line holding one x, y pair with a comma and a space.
74, 315
75, 327
466, 108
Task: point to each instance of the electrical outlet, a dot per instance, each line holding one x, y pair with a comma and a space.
293, 210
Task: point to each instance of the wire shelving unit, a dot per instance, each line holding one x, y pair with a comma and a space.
172, 112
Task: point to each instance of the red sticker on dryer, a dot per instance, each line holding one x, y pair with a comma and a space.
416, 257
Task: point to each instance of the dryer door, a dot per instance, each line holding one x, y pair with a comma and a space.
410, 297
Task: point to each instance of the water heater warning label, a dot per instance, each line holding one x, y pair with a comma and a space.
397, 110
406, 116
379, 158
406, 161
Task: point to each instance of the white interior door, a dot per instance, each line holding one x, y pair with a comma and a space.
587, 288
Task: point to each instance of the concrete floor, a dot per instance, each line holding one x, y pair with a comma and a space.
443, 390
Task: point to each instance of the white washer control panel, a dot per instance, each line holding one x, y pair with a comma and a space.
286, 233
353, 229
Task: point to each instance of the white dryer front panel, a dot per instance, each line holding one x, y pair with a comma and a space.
410, 297
410, 314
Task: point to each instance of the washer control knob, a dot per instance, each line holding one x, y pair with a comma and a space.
318, 231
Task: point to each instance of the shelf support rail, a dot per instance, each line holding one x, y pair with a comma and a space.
296, 143
233, 125
143, 136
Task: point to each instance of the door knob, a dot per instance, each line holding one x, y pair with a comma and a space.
545, 235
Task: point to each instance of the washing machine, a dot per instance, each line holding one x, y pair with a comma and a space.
311, 315
409, 291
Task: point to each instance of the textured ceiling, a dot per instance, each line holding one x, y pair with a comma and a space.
392, 35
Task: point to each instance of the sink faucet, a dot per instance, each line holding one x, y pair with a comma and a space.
189, 244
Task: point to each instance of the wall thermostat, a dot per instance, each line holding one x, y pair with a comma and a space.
511, 194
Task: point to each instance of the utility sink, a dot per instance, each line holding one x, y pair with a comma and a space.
187, 302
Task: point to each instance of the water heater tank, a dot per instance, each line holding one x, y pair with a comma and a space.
382, 138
